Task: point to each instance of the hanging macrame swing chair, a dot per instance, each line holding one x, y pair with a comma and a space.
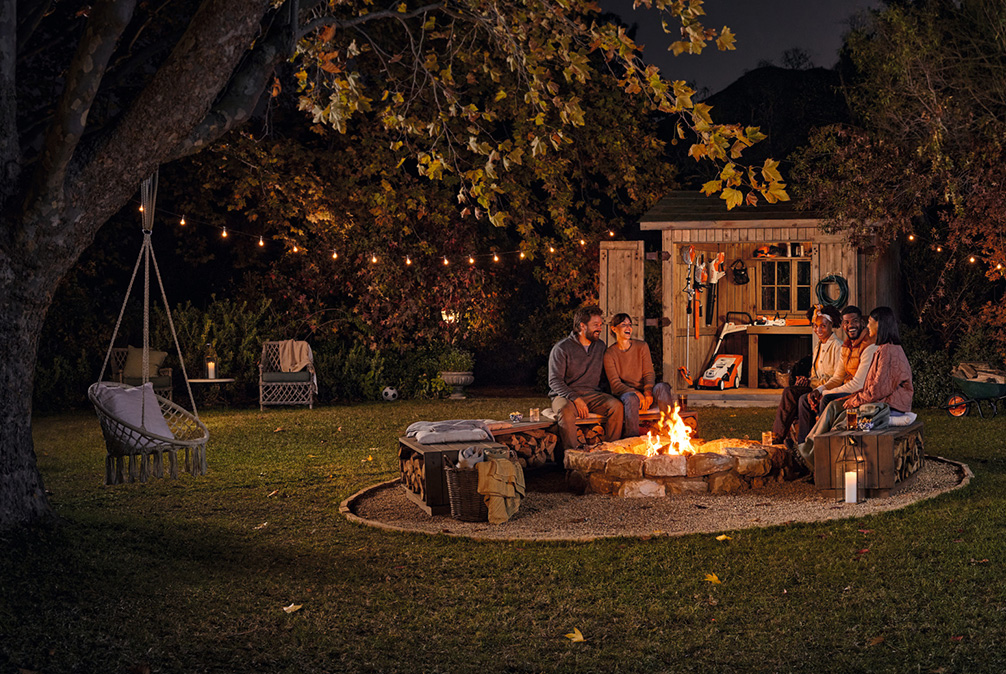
139, 425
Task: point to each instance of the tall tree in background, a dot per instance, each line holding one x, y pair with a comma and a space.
93, 98
925, 151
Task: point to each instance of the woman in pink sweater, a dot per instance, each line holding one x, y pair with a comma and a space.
889, 380
629, 368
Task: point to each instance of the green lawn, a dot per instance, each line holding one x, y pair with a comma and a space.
182, 576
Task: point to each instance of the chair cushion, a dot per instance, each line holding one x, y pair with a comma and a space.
134, 363
286, 377
160, 381
132, 404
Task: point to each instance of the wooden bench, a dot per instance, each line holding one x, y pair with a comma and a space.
894, 456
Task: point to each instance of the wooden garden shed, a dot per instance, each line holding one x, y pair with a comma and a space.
783, 284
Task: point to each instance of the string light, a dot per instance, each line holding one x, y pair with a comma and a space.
445, 261
939, 249
335, 255
471, 260
496, 258
182, 221
261, 242
408, 260
582, 242
373, 259
223, 234
295, 248
999, 266
971, 259
551, 249
141, 208
611, 233
911, 237
522, 255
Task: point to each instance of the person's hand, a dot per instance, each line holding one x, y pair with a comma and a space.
581, 408
815, 400
802, 381
647, 403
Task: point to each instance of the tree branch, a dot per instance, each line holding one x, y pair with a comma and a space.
107, 22
10, 151
236, 105
323, 21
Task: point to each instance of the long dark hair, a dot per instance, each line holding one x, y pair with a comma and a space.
887, 326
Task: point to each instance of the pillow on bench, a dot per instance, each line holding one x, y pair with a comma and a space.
133, 368
129, 404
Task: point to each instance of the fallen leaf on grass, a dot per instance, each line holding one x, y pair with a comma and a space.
866, 531
723, 537
272, 493
262, 526
863, 551
279, 430
712, 578
979, 561
292, 607
575, 636
958, 540
369, 458
875, 641
956, 638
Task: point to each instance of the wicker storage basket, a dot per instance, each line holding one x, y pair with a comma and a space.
467, 504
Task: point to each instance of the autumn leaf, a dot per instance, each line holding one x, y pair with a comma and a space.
711, 187
725, 42
770, 171
712, 578
732, 197
292, 607
575, 636
875, 641
723, 537
327, 34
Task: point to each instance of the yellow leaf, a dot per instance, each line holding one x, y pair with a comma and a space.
770, 171
776, 192
403, 8
500, 95
292, 607
697, 151
723, 537
711, 187
711, 577
575, 636
732, 197
725, 42
701, 112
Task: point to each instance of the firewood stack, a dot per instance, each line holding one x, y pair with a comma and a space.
414, 475
980, 372
533, 447
589, 435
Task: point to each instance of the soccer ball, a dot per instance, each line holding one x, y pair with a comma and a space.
389, 394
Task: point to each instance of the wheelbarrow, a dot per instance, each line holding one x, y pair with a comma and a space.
973, 394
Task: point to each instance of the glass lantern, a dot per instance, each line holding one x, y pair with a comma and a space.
211, 362
850, 471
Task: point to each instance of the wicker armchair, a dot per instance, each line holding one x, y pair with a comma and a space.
162, 381
284, 388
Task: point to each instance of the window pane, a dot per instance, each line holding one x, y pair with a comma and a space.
803, 298
768, 273
783, 304
782, 273
803, 273
768, 298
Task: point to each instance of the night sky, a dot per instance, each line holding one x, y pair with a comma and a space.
764, 30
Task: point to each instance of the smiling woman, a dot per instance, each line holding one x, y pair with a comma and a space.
629, 368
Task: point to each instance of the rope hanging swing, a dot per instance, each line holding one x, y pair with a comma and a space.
138, 424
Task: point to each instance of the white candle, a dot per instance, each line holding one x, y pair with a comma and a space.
211, 373
850, 486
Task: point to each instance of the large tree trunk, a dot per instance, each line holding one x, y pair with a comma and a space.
199, 93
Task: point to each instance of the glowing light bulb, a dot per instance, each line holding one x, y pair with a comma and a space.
373, 259
182, 221
496, 258
141, 208
611, 233
295, 248
445, 261
261, 242
471, 260
408, 260
551, 249
223, 234
999, 266
522, 255
971, 259
939, 249
582, 242
911, 237
335, 255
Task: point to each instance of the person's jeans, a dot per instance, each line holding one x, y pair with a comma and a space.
598, 403
663, 398
808, 417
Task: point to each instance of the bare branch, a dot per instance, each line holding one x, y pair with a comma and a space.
324, 21
10, 154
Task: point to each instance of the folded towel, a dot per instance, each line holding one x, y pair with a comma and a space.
469, 456
903, 419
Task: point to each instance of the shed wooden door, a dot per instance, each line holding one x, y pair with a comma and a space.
621, 283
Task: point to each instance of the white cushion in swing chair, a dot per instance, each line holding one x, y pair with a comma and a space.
128, 404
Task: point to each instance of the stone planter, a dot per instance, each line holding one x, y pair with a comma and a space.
459, 380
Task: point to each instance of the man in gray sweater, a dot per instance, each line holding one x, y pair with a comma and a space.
574, 376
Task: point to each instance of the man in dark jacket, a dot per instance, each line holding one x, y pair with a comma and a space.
574, 377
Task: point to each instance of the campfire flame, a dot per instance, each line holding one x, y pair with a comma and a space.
675, 436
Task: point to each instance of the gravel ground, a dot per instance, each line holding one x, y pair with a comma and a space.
549, 512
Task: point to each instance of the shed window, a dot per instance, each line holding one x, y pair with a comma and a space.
785, 286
